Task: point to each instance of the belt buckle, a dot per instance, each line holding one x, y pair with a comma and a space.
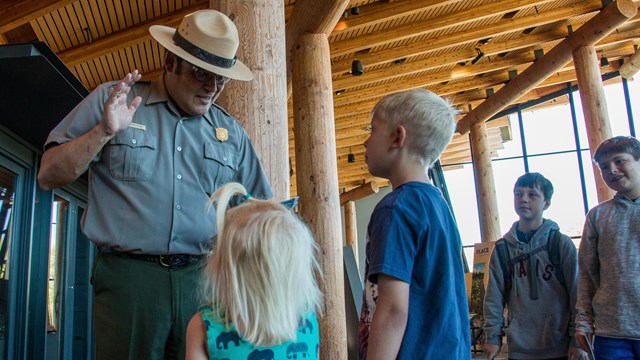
172, 261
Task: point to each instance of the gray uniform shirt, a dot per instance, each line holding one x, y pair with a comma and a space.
149, 186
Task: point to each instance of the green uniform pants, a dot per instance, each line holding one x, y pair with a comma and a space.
141, 309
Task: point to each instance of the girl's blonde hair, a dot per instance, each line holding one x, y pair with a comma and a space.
262, 272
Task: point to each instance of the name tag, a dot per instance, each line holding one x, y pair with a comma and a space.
138, 126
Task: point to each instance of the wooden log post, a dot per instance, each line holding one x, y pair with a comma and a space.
260, 105
351, 227
594, 106
347, 199
317, 180
485, 185
594, 30
325, 15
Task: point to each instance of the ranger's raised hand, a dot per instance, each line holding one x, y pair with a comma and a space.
117, 112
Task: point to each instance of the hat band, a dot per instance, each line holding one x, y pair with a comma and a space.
205, 56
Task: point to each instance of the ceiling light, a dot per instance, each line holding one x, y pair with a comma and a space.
351, 158
339, 92
478, 57
355, 10
357, 68
604, 61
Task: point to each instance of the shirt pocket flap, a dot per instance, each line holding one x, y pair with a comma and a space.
135, 138
221, 154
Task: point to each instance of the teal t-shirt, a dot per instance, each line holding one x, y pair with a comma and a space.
229, 344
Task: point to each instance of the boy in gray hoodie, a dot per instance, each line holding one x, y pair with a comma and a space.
609, 286
540, 301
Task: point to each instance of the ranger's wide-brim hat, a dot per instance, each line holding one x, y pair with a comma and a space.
207, 39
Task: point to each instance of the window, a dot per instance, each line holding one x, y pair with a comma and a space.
7, 191
549, 147
56, 260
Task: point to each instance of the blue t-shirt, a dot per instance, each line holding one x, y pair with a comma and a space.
413, 237
224, 343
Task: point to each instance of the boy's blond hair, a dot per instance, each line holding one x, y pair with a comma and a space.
617, 144
428, 119
261, 274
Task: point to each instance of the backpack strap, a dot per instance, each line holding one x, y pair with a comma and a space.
505, 265
506, 262
554, 243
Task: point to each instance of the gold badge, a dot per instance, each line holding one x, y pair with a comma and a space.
222, 134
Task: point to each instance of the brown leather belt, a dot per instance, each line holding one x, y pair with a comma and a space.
175, 261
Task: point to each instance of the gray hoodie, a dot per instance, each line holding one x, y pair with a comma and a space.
609, 293
541, 328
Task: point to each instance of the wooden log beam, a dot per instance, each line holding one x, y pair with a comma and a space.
351, 227
358, 193
631, 66
317, 180
612, 16
594, 106
487, 203
555, 82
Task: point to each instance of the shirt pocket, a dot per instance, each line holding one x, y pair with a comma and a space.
219, 166
131, 155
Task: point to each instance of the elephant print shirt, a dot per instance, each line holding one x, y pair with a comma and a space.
225, 343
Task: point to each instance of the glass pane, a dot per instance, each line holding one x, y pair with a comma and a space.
512, 147
617, 109
505, 174
582, 127
7, 186
634, 95
538, 136
567, 206
56, 259
462, 193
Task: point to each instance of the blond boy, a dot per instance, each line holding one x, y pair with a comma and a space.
415, 304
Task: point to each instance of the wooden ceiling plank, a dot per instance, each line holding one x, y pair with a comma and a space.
435, 78
125, 38
69, 24
467, 36
59, 32
48, 23
106, 18
454, 57
612, 16
478, 69
422, 27
22, 12
381, 11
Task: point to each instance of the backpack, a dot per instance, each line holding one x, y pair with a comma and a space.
506, 263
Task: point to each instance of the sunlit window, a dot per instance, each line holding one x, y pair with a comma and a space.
547, 145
